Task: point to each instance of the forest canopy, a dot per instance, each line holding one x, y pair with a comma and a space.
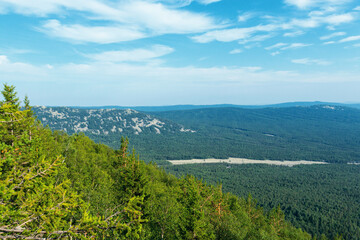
59, 186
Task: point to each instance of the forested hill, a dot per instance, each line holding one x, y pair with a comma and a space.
319, 133
192, 107
65, 187
322, 133
235, 117
104, 121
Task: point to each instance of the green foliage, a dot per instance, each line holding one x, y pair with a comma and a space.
321, 199
318, 133
58, 186
34, 201
312, 133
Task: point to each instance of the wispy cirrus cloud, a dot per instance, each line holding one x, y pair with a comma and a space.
333, 35
135, 55
275, 53
183, 3
44, 8
286, 46
295, 45
256, 38
94, 34
245, 16
308, 61
329, 42
313, 21
294, 34
350, 39
226, 35
236, 51
159, 19
305, 4
277, 45
126, 20
206, 2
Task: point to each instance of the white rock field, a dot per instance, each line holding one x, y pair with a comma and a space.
244, 161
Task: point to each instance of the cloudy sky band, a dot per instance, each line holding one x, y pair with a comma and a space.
197, 46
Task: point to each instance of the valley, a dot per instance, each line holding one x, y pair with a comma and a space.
302, 158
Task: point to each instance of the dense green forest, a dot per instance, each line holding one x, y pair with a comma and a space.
317, 133
59, 186
321, 199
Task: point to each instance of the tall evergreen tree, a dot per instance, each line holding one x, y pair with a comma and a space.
34, 200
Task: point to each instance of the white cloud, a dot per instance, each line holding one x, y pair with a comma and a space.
285, 46
3, 59
244, 17
94, 34
299, 3
183, 3
162, 20
136, 55
357, 45
337, 19
278, 45
350, 39
43, 8
10, 69
329, 42
305, 4
257, 38
115, 83
236, 51
135, 19
226, 35
357, 8
336, 34
294, 34
295, 45
317, 21
206, 2
307, 61
233, 34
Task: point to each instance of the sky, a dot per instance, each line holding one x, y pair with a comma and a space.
157, 52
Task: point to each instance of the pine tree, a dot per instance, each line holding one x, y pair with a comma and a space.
129, 186
34, 201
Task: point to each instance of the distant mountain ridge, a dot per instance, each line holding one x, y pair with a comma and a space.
316, 133
191, 107
104, 121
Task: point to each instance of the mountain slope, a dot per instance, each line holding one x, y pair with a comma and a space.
104, 121
325, 133
319, 133
58, 186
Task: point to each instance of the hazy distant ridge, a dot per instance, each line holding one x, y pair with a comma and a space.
191, 107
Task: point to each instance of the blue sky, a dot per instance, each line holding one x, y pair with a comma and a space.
153, 52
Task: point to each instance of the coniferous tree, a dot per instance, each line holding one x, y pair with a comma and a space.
33, 200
